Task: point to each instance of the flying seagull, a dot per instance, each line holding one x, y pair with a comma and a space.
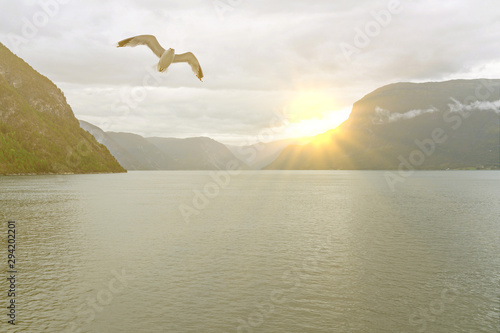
166, 56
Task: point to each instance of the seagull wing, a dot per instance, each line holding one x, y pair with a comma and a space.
148, 40
192, 61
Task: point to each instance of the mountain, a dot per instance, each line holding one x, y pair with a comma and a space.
132, 151
127, 160
435, 125
196, 153
261, 154
135, 152
38, 130
141, 149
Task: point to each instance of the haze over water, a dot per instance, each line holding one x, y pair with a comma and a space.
286, 251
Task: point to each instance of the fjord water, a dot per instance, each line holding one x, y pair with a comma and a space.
270, 251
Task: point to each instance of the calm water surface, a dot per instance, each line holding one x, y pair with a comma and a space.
324, 251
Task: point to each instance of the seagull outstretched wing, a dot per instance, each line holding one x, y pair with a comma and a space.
166, 57
192, 61
148, 40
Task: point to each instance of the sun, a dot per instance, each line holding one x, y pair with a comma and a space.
311, 113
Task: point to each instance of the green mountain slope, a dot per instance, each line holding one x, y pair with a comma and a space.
38, 130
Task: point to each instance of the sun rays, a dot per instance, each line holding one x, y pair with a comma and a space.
312, 112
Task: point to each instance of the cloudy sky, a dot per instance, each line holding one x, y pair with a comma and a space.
273, 69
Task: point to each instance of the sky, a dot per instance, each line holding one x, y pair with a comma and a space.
273, 69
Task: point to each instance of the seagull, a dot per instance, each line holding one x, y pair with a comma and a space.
166, 56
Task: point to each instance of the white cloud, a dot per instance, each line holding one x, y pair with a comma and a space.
385, 116
456, 106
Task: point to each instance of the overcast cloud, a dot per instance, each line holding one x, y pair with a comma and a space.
257, 57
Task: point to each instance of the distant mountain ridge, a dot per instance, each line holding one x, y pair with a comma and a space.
261, 154
127, 160
435, 125
39, 133
135, 152
199, 153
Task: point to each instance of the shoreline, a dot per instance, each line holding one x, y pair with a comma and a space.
127, 171
59, 174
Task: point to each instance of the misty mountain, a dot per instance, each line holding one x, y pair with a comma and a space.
140, 149
135, 152
38, 130
126, 159
261, 154
197, 153
436, 125
132, 151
